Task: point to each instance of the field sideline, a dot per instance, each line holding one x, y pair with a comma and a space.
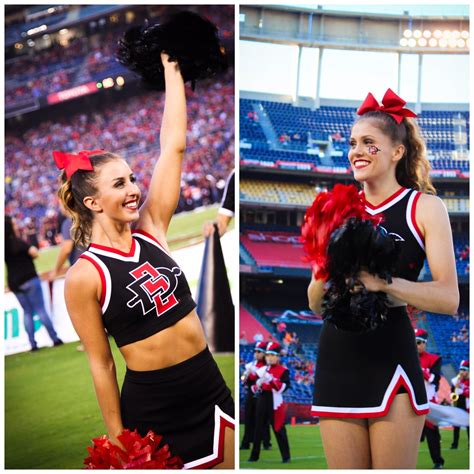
307, 451
51, 412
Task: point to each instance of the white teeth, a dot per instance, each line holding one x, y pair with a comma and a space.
361, 163
131, 205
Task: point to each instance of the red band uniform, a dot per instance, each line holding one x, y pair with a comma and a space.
272, 382
250, 378
461, 386
431, 366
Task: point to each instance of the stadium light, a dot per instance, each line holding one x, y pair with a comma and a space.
99, 85
38, 29
407, 33
417, 34
412, 42
461, 43
452, 42
456, 34
446, 34
422, 42
31, 43
108, 82
433, 42
427, 34
120, 81
18, 46
404, 42
443, 42
464, 34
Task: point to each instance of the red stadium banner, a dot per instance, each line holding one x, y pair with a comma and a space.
69, 94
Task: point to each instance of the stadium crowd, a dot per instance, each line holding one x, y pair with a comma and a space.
57, 67
129, 128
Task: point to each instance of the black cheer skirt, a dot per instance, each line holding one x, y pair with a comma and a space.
358, 375
188, 404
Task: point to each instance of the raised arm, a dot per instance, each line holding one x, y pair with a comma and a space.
82, 287
441, 295
163, 194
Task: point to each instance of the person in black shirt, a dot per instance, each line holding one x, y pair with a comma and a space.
25, 283
226, 211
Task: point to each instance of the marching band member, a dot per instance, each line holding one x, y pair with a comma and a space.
431, 366
249, 379
273, 380
460, 396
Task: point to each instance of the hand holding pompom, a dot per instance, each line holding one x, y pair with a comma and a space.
140, 453
348, 249
186, 38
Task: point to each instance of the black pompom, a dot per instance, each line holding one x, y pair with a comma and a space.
186, 37
354, 246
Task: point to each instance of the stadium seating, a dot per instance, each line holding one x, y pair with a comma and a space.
300, 129
274, 249
129, 127
299, 194
89, 56
282, 248
442, 328
250, 326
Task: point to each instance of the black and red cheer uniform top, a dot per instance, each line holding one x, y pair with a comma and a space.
399, 221
143, 291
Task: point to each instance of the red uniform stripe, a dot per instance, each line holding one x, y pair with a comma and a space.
102, 277
130, 253
220, 453
393, 196
378, 414
413, 218
146, 234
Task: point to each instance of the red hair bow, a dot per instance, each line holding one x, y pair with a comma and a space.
71, 162
391, 105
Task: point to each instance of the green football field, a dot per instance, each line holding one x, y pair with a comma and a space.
307, 451
51, 412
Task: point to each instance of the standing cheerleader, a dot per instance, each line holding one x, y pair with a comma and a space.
369, 391
127, 283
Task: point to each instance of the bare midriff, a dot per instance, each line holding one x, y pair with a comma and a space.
168, 347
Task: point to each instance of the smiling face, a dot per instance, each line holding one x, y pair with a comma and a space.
118, 195
372, 153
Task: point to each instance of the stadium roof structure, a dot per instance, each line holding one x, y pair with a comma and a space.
346, 30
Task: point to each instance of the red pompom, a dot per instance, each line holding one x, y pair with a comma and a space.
328, 212
140, 453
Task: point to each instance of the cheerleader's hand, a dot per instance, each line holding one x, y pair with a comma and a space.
371, 282
116, 442
167, 64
